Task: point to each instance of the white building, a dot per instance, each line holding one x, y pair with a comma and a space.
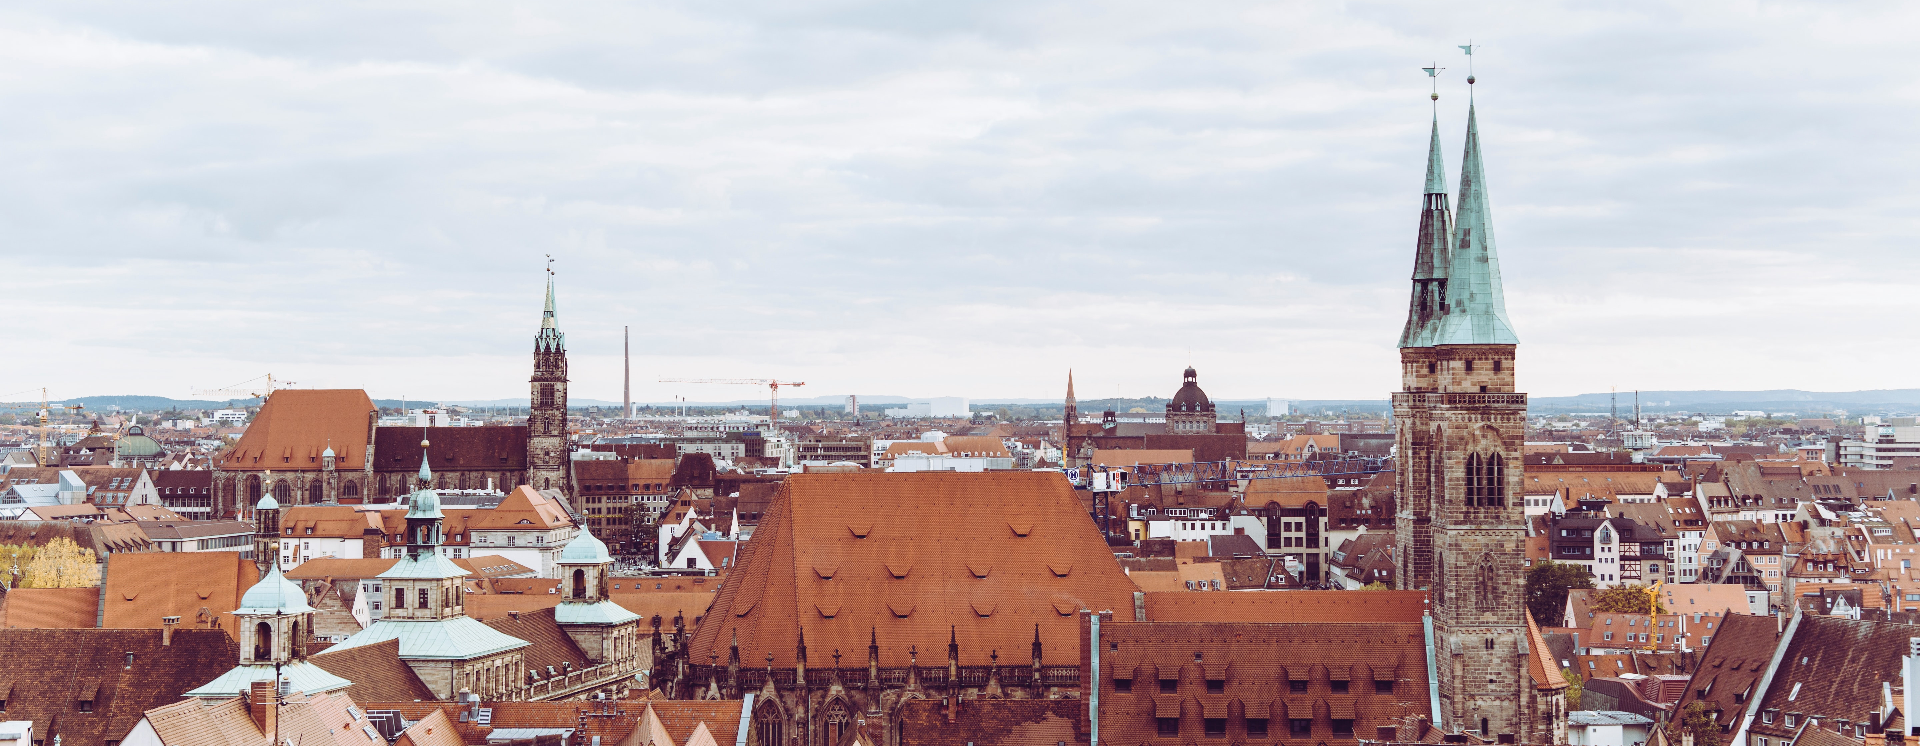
937, 407
1607, 727
1881, 446
1279, 407
234, 417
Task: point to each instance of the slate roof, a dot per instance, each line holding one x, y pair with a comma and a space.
376, 672
1028, 722
1833, 669
913, 556
47, 671
549, 645
295, 425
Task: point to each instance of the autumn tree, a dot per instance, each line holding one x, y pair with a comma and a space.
1574, 688
62, 564
1547, 586
14, 559
1623, 599
1696, 719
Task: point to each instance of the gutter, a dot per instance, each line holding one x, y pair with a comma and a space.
1433, 671
746, 719
1766, 679
1093, 687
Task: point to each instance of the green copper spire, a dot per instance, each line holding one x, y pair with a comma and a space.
1430, 254
549, 319
1476, 307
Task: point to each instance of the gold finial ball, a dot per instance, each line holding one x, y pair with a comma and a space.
1436, 97
1469, 80
423, 443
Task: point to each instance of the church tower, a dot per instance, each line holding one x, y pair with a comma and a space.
1460, 428
547, 447
1070, 453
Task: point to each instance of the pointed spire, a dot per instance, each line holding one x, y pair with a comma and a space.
1071, 402
1476, 304
426, 472
550, 319
1431, 253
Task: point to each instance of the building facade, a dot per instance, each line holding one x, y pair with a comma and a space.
1461, 425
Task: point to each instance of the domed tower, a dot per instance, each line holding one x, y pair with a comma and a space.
1190, 411
274, 622
605, 630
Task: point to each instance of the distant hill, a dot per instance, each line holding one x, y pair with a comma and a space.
1723, 402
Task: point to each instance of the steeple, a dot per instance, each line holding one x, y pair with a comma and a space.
550, 339
1477, 309
1431, 253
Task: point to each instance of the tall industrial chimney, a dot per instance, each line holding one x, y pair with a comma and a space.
626, 362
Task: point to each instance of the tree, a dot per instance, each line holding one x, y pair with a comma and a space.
1621, 599
1696, 719
62, 564
1547, 586
1574, 688
1376, 586
14, 559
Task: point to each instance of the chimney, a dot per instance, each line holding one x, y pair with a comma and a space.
167, 623
263, 704
1686, 737
1873, 732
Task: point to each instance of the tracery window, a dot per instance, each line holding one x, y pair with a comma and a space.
1486, 480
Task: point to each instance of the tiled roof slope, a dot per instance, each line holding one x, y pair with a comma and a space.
46, 671
680, 717
551, 646
1846, 663
1545, 676
1255, 663
1732, 666
319, 720
1354, 607
524, 503
376, 672
50, 608
142, 588
296, 425
908, 557
1014, 722
458, 448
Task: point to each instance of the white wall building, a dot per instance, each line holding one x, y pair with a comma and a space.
939, 406
1607, 727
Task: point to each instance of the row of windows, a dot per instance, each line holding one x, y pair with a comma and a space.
1219, 686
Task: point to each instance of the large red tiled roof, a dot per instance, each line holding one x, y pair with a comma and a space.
1353, 607
126, 672
143, 587
296, 425
502, 447
50, 608
909, 558
376, 672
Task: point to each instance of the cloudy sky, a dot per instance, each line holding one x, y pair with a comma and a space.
944, 198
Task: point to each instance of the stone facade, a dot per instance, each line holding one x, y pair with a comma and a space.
547, 446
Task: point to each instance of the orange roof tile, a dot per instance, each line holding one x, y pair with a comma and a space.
196, 586
909, 557
50, 608
296, 425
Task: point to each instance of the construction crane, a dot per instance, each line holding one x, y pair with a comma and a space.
1653, 610
45, 427
251, 391
773, 388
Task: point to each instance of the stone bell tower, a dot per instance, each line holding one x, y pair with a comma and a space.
547, 441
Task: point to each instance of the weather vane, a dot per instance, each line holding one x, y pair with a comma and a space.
1433, 73
549, 264
1468, 48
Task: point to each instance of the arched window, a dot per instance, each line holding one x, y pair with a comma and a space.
579, 583
253, 490
263, 642
350, 489
314, 496
283, 492
1489, 591
767, 724
837, 721
1486, 480
546, 394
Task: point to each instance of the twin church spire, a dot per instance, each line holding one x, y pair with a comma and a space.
1457, 298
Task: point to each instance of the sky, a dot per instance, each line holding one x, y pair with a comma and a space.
944, 199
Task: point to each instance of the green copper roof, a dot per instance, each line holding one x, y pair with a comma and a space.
429, 565
272, 596
1476, 307
301, 676
1432, 254
267, 503
602, 612
455, 638
585, 549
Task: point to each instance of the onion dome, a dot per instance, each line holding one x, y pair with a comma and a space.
267, 503
273, 595
585, 549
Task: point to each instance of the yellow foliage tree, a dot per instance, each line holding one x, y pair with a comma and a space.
62, 564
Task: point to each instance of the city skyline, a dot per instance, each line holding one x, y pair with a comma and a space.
966, 203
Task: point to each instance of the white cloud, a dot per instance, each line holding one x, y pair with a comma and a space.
943, 198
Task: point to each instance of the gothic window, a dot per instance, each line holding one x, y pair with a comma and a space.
253, 490
283, 492
350, 489
766, 724
1486, 480
837, 722
313, 493
546, 395
1489, 591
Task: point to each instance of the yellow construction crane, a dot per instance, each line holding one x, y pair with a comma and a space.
45, 429
1653, 611
773, 386
250, 388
